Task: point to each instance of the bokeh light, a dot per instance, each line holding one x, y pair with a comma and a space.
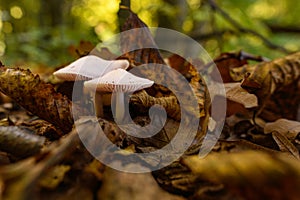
16, 12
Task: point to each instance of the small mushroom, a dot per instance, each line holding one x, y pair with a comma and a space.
87, 68
119, 81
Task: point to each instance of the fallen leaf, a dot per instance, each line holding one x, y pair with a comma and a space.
38, 97
121, 185
236, 93
54, 176
180, 64
270, 77
250, 174
138, 40
226, 62
286, 127
285, 145
178, 179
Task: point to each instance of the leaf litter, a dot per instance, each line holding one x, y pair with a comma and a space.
256, 156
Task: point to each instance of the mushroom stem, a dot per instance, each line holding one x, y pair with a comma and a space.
98, 103
120, 110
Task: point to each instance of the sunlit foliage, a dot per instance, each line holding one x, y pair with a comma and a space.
40, 32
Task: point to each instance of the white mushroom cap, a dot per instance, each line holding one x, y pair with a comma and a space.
118, 80
89, 67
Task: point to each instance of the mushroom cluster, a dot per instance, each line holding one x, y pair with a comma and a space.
104, 76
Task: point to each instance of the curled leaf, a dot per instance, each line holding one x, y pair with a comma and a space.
285, 145
279, 72
169, 103
286, 127
200, 90
237, 74
268, 77
227, 62
235, 93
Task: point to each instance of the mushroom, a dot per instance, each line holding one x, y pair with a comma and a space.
119, 81
87, 68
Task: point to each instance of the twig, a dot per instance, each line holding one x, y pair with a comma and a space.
242, 29
283, 29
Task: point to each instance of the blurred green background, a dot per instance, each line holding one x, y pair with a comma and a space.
39, 32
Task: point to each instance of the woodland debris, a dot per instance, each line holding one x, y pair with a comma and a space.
269, 177
289, 128
20, 142
122, 186
235, 93
285, 145
269, 77
21, 177
38, 97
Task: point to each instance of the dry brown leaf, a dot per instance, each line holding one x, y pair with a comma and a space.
178, 63
189, 94
138, 39
54, 176
238, 74
201, 92
275, 77
285, 145
121, 185
43, 128
170, 103
178, 179
237, 99
227, 62
38, 97
250, 174
236, 93
286, 127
